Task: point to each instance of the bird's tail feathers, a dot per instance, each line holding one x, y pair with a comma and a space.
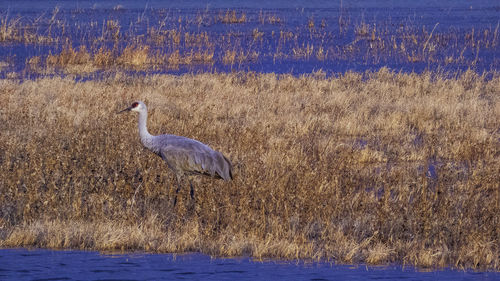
230, 168
224, 167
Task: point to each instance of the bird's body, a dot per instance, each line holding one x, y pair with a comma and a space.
187, 156
183, 155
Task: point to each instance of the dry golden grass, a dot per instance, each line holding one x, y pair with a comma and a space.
376, 167
231, 17
133, 57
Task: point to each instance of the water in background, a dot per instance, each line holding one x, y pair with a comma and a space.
453, 23
22, 264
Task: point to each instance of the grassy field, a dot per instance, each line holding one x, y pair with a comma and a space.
373, 167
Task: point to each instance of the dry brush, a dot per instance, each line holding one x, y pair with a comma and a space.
375, 167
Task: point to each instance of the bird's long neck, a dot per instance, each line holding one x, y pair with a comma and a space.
146, 137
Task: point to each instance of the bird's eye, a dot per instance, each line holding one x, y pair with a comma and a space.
135, 104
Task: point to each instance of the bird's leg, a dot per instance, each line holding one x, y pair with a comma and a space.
193, 205
178, 186
179, 181
191, 192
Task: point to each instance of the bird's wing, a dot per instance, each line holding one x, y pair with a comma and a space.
196, 160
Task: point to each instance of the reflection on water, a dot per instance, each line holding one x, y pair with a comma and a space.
21, 264
340, 40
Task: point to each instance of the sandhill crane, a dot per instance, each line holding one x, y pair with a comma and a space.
183, 155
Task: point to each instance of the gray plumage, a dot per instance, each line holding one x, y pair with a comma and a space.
183, 155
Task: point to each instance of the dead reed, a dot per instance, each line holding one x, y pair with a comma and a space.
376, 167
88, 46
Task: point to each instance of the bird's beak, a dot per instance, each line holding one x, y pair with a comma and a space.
126, 109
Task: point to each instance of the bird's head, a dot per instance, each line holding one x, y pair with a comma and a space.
137, 106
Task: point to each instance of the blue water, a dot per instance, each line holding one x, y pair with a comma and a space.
22, 264
452, 20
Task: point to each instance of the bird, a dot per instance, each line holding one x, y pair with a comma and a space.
184, 156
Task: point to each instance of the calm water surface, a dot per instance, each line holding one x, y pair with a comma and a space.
84, 20
22, 264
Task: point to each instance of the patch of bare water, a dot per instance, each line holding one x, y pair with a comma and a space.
22, 264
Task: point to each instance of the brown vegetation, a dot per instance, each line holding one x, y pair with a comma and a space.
376, 167
188, 41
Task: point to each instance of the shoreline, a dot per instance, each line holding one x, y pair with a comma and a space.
302, 262
396, 167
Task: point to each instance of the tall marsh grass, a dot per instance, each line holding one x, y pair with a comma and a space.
376, 167
162, 40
